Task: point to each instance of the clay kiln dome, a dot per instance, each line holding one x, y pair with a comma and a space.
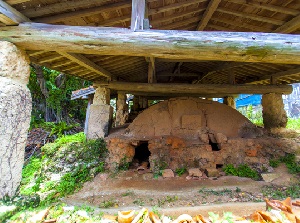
187, 117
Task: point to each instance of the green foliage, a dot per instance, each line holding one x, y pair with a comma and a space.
64, 151
242, 170
180, 171
108, 204
280, 193
289, 160
293, 123
167, 199
158, 168
59, 96
124, 165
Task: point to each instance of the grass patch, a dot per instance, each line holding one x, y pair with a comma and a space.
242, 170
293, 123
280, 193
61, 157
289, 160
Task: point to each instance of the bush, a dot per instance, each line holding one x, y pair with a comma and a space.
242, 170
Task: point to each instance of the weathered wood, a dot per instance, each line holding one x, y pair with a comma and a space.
137, 14
85, 62
12, 13
222, 46
195, 88
151, 71
211, 8
269, 7
290, 26
84, 12
253, 17
173, 6
169, 74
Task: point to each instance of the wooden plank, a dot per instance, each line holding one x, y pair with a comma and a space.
222, 46
195, 88
137, 15
270, 7
110, 22
184, 23
151, 71
85, 62
14, 2
169, 74
173, 6
58, 7
81, 13
12, 13
211, 8
290, 26
176, 15
251, 16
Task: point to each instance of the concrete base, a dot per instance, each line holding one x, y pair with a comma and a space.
99, 121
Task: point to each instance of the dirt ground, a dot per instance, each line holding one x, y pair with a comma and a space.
171, 196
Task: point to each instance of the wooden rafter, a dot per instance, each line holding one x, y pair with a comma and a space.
58, 7
12, 13
195, 88
290, 26
84, 12
211, 8
77, 58
14, 2
85, 62
223, 46
173, 6
252, 16
270, 7
286, 73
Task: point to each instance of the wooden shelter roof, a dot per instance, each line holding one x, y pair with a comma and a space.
268, 16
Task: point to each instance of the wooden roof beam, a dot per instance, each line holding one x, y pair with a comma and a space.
173, 6
211, 8
129, 87
84, 12
289, 26
270, 7
251, 16
14, 2
85, 62
12, 14
222, 46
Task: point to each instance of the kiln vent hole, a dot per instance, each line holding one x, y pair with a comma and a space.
214, 146
142, 153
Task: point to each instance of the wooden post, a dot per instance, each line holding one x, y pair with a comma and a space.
137, 15
229, 100
87, 114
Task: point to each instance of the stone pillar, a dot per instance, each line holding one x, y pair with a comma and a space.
274, 115
122, 110
229, 101
135, 107
15, 113
101, 114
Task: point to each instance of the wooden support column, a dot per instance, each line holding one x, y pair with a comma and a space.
100, 115
274, 115
229, 100
151, 71
122, 110
15, 110
87, 114
137, 15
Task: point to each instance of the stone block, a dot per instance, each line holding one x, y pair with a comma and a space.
99, 121
167, 173
221, 138
212, 172
251, 152
269, 177
204, 137
195, 172
193, 122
